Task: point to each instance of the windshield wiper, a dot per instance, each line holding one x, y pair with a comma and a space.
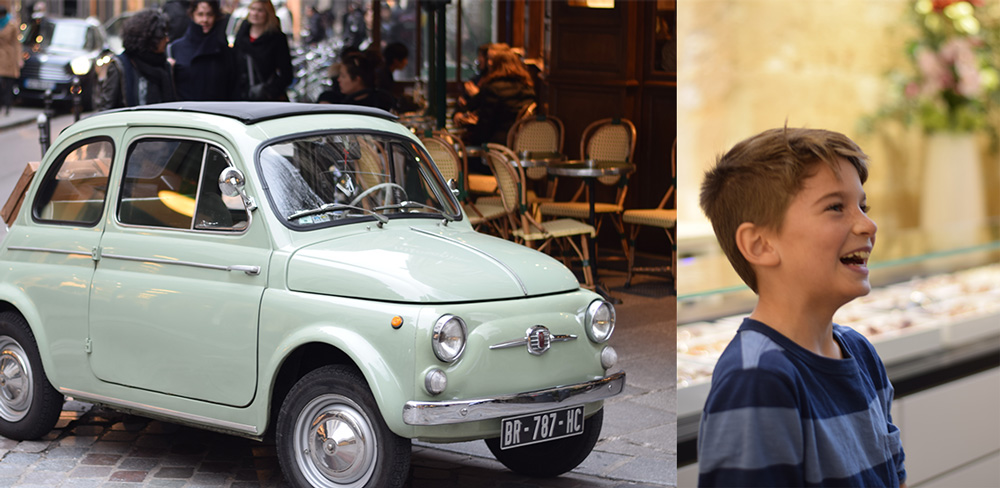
333, 207
411, 204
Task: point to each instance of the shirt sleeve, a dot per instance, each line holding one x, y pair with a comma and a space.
751, 432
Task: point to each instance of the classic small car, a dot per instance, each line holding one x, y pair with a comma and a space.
301, 271
57, 50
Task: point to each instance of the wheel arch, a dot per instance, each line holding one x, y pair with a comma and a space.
30, 315
346, 347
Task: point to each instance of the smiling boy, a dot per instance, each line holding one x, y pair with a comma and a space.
796, 400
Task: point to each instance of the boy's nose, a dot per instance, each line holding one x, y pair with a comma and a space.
865, 225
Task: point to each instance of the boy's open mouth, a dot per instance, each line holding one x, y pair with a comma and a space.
856, 258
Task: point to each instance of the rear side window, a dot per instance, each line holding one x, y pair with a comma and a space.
174, 183
75, 187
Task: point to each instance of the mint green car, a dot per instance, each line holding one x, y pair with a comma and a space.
301, 271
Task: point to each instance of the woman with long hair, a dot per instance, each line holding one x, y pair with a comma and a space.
141, 74
262, 57
204, 67
503, 91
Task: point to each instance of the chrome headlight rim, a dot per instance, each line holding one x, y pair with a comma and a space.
437, 345
593, 321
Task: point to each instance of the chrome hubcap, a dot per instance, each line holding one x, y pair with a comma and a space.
15, 380
335, 443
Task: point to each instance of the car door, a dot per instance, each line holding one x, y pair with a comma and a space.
181, 273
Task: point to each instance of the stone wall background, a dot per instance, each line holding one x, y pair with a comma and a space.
751, 65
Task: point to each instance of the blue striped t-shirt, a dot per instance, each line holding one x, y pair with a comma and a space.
780, 415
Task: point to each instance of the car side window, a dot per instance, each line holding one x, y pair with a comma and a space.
174, 183
75, 187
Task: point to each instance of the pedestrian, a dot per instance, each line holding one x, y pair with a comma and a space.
317, 30
797, 400
357, 82
177, 12
262, 57
141, 74
10, 58
204, 66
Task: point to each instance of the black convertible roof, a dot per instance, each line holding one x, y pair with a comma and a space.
254, 112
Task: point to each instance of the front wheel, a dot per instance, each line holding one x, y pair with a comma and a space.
330, 434
551, 458
29, 405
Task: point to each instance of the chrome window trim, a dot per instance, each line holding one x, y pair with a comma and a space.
507, 269
207, 142
248, 269
164, 412
461, 411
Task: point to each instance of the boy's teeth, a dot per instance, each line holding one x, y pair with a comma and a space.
860, 257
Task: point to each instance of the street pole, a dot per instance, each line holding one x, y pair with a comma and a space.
75, 90
43, 133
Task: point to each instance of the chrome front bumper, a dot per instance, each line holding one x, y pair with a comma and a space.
460, 411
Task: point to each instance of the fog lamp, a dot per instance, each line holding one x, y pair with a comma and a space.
435, 381
609, 357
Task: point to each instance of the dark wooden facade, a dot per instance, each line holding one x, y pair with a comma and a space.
604, 63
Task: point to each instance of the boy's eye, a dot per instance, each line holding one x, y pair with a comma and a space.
865, 208
836, 207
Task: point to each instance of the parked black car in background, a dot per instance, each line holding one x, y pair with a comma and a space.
56, 50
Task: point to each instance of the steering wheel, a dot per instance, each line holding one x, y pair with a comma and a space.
361, 196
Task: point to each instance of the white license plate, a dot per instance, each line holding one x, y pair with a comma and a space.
541, 427
35, 84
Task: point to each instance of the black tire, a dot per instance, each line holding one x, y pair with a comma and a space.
338, 401
551, 458
29, 405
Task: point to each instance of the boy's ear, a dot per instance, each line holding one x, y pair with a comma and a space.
755, 244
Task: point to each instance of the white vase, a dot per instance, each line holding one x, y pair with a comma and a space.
952, 202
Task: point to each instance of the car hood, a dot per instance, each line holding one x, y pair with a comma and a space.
426, 265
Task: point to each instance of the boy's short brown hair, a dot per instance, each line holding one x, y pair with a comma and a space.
756, 180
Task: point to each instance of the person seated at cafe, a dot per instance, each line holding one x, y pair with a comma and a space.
357, 82
497, 100
333, 94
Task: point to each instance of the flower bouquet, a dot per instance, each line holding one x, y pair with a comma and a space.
953, 82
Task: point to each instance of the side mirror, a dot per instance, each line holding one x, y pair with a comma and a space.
453, 185
232, 183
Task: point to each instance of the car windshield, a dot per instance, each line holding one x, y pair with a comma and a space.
57, 35
321, 180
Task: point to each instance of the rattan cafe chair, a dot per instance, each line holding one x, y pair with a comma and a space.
660, 217
528, 230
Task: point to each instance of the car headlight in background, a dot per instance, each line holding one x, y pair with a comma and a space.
449, 337
80, 65
600, 321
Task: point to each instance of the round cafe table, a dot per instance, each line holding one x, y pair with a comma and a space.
590, 170
529, 159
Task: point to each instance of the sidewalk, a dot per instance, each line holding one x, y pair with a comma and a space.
19, 116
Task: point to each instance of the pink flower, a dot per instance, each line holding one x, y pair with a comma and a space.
958, 52
934, 71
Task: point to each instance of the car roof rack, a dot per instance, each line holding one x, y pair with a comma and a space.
253, 112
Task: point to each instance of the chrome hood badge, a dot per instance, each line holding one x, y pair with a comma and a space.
537, 338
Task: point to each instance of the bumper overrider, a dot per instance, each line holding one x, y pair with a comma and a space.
461, 411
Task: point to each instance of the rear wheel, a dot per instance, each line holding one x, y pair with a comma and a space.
551, 458
331, 434
29, 405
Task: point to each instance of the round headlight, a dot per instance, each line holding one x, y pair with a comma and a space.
80, 65
600, 321
448, 341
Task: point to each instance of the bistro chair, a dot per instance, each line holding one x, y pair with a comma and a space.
452, 167
611, 139
660, 217
540, 134
526, 229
